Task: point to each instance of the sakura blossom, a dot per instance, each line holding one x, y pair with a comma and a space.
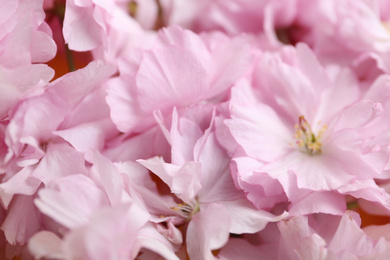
194, 129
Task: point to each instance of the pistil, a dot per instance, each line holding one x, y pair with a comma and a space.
307, 139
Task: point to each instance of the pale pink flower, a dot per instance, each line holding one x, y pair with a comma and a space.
237, 248
232, 17
88, 126
120, 232
103, 27
334, 142
194, 141
96, 211
35, 119
53, 165
142, 146
346, 32
261, 245
194, 71
24, 35
22, 220
20, 82
199, 175
317, 236
25, 41
329, 237
35, 156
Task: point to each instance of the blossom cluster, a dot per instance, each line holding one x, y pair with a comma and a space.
195, 129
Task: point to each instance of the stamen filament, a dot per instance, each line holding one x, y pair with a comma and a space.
187, 210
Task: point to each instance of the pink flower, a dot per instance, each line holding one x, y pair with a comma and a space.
193, 142
333, 143
199, 175
35, 156
25, 37
25, 41
36, 118
95, 211
233, 17
120, 232
350, 33
317, 236
194, 71
342, 239
103, 27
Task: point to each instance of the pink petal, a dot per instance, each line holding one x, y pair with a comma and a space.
260, 188
20, 183
368, 190
22, 220
294, 230
290, 98
208, 230
183, 137
245, 218
55, 164
216, 180
343, 91
43, 47
318, 172
313, 247
8, 8
91, 77
376, 232
45, 244
358, 115
125, 110
86, 137
379, 90
238, 248
349, 237
319, 202
17, 82
184, 180
254, 123
110, 177
172, 233
149, 238
230, 62
71, 200
110, 233
180, 81
144, 145
81, 31
186, 39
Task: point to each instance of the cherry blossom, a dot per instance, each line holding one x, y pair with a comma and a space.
194, 129
303, 133
200, 178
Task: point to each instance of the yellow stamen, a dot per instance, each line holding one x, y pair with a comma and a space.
187, 210
306, 138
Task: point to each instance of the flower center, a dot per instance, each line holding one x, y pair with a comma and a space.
306, 139
187, 210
